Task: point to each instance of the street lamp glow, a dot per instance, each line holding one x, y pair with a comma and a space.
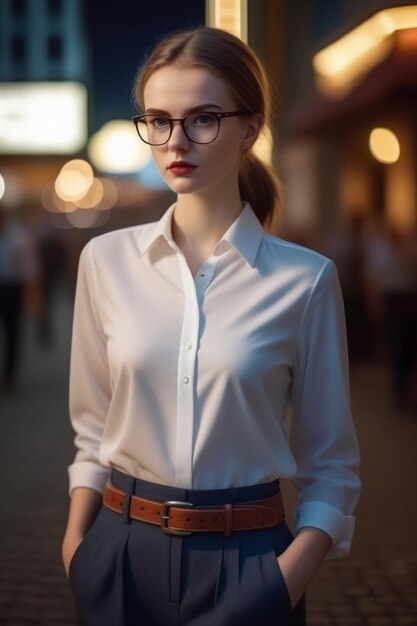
116, 148
74, 180
384, 145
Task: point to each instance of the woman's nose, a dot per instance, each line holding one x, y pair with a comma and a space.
178, 139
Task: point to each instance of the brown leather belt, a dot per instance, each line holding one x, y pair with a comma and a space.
182, 518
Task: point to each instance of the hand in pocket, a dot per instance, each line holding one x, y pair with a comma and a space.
69, 548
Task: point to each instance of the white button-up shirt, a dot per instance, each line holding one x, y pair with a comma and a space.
235, 377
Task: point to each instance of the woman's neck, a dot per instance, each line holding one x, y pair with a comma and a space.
199, 223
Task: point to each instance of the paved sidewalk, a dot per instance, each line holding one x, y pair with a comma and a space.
375, 586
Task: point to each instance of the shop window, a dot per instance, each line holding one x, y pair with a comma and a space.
55, 48
55, 8
18, 49
18, 8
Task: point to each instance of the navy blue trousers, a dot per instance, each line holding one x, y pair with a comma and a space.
129, 573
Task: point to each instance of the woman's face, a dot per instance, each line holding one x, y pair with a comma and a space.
174, 91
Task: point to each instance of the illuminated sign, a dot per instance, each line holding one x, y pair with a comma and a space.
43, 118
345, 61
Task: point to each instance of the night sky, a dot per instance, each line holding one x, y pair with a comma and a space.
119, 33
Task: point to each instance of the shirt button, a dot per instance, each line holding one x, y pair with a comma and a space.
185, 380
202, 275
188, 345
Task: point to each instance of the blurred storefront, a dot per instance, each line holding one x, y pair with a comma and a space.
345, 133
344, 69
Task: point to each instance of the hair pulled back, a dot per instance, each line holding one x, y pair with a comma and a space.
237, 65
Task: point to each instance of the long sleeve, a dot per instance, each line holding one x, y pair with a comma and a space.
89, 381
322, 436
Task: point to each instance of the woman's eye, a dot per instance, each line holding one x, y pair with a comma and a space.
160, 122
204, 119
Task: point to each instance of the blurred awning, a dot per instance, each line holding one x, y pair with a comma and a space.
394, 78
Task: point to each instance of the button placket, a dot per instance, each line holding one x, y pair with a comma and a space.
185, 385
205, 276
194, 290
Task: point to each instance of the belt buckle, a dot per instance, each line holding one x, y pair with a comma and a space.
165, 516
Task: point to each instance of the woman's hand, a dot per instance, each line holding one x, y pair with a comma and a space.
85, 504
69, 546
299, 562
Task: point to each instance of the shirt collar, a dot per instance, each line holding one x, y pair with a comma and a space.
159, 229
245, 234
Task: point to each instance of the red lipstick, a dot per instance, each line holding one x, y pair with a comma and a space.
181, 168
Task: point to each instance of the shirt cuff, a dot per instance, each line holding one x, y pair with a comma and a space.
88, 474
326, 517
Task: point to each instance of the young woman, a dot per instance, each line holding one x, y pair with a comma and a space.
192, 338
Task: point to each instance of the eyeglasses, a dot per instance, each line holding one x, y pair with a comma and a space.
201, 127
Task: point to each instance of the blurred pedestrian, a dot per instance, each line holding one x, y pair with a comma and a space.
391, 266
18, 272
191, 338
53, 275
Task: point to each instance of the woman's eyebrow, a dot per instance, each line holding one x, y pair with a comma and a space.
200, 107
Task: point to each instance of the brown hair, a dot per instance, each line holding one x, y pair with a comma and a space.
234, 62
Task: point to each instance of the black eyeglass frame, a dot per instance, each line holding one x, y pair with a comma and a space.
219, 116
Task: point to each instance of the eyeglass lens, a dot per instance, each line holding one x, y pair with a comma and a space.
199, 127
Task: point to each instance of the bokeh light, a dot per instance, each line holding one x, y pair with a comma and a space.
93, 196
74, 180
116, 148
384, 145
110, 195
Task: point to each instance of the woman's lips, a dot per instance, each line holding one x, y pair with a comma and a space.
181, 168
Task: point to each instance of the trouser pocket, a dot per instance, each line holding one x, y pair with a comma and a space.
97, 572
251, 587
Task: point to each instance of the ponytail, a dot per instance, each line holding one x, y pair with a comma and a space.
260, 186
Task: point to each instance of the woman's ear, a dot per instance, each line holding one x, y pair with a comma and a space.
254, 125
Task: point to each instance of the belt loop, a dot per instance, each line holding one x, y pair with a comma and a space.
233, 494
228, 520
129, 491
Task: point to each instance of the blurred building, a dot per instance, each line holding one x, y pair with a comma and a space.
66, 70
42, 41
44, 81
342, 69
321, 133
345, 130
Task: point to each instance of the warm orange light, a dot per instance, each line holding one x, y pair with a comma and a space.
384, 145
264, 146
339, 65
53, 203
230, 15
110, 195
93, 197
74, 180
117, 149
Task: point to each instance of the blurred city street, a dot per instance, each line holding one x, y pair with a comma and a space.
375, 586
342, 140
